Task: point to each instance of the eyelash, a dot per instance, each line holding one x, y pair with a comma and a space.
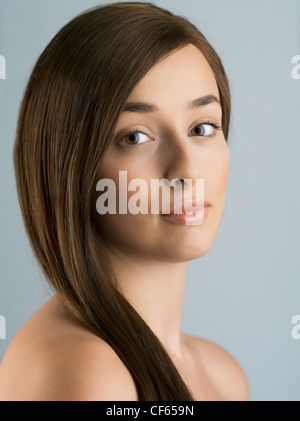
211, 123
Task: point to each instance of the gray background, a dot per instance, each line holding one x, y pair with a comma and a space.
243, 293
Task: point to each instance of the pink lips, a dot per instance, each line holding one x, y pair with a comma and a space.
187, 213
186, 206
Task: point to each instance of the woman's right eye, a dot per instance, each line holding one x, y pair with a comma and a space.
133, 138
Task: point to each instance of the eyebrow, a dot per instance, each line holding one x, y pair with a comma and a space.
141, 107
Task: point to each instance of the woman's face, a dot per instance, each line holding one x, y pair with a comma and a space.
172, 142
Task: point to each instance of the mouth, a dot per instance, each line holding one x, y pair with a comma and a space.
187, 213
188, 207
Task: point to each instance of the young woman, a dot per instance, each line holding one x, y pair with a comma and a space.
122, 87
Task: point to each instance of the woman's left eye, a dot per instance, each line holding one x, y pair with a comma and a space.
206, 129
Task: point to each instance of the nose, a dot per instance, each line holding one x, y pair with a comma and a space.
182, 161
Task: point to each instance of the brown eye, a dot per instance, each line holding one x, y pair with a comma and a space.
134, 138
203, 130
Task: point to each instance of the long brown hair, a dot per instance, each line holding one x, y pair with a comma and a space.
69, 111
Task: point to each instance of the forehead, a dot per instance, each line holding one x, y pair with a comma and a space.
182, 75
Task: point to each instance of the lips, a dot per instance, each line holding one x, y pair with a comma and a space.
187, 207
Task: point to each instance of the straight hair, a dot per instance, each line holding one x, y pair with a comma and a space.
70, 108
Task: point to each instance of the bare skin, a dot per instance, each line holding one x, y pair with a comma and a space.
52, 357
62, 360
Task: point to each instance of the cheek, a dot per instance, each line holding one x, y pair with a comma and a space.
120, 225
220, 174
125, 231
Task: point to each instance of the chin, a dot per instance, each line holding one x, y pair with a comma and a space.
183, 251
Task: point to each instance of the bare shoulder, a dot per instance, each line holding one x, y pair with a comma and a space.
223, 370
52, 357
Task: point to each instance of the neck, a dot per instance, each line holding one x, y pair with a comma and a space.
156, 290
